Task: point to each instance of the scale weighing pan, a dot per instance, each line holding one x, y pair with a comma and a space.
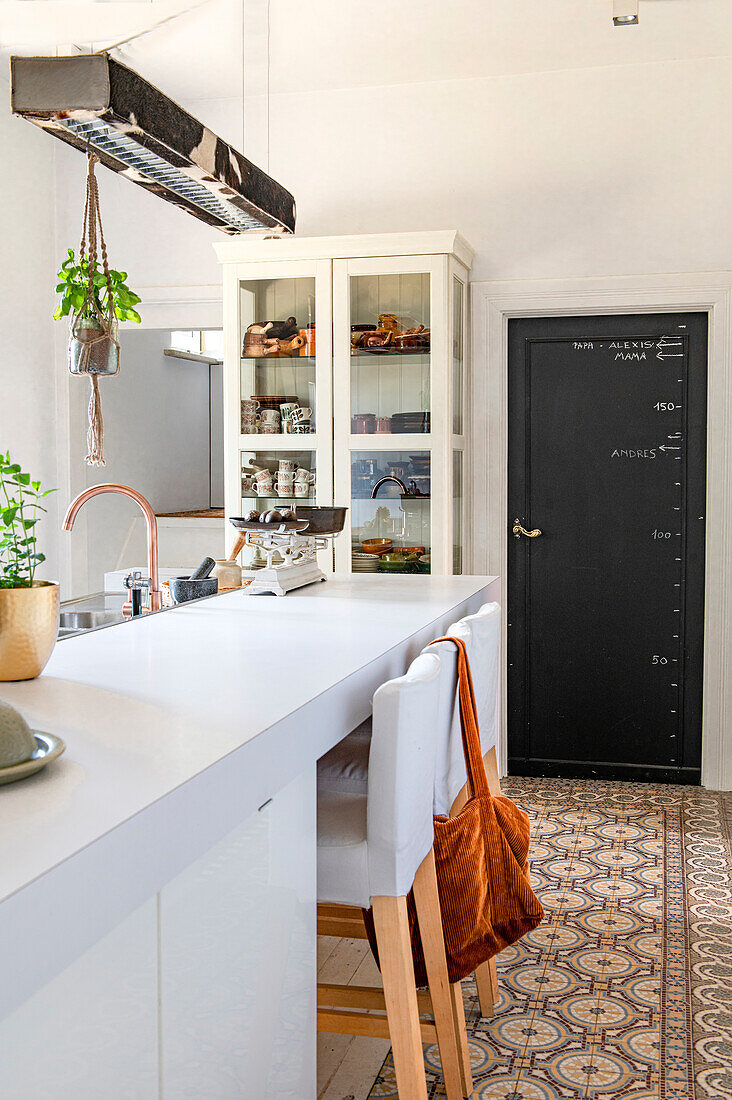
296, 526
312, 520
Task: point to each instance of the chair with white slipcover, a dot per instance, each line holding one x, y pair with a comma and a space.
374, 848
481, 633
345, 768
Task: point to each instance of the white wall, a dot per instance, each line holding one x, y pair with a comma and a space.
587, 171
27, 372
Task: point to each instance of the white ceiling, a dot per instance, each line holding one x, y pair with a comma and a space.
193, 48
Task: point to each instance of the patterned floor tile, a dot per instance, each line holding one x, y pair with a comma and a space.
625, 990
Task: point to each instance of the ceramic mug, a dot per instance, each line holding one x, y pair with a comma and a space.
285, 485
264, 488
301, 429
286, 466
286, 410
302, 489
262, 475
299, 414
249, 425
284, 490
270, 416
249, 408
267, 428
304, 475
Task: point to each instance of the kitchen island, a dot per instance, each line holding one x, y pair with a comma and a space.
157, 882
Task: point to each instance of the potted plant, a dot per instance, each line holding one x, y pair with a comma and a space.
29, 608
92, 349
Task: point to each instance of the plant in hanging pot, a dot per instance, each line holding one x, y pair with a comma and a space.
29, 608
96, 298
92, 350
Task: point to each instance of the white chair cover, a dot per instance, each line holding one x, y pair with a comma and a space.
484, 646
371, 845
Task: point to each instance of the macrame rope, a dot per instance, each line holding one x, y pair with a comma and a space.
92, 238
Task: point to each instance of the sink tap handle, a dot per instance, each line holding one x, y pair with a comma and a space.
135, 582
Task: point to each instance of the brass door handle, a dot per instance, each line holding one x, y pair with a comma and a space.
518, 530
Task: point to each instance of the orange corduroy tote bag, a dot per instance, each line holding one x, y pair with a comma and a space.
481, 857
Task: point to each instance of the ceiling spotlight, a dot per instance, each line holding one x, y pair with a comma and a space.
625, 13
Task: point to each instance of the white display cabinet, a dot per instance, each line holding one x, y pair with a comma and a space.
387, 382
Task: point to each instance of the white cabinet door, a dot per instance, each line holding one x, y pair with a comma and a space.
92, 1031
237, 933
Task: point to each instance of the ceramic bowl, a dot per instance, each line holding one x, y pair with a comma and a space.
376, 546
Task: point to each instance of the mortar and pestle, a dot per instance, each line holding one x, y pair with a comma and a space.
199, 584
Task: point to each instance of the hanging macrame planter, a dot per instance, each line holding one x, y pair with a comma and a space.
93, 344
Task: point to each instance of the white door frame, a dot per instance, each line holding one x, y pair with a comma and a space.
493, 304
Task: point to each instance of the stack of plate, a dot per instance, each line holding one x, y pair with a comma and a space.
364, 563
272, 400
410, 422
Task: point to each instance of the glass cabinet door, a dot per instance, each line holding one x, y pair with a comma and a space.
278, 336
390, 354
390, 506
279, 371
391, 403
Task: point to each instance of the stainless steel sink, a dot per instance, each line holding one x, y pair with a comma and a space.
90, 613
88, 620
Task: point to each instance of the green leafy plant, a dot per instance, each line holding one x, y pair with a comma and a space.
20, 503
73, 286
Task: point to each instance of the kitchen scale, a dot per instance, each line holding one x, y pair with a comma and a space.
296, 542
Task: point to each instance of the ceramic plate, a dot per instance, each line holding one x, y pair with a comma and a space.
48, 748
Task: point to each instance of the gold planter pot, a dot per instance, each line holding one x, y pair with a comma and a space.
28, 629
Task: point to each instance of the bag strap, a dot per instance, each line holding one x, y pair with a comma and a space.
474, 765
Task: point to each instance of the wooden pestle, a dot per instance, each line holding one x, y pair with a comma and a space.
238, 546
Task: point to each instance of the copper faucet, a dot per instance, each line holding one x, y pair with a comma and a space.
383, 480
155, 597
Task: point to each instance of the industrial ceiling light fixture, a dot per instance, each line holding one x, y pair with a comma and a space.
625, 13
92, 102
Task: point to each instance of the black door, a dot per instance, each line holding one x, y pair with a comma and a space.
607, 442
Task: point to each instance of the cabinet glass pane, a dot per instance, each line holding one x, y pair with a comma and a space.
397, 509
390, 354
457, 511
278, 336
458, 355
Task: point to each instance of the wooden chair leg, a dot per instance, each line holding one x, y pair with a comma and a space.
486, 981
491, 770
461, 1033
397, 972
427, 903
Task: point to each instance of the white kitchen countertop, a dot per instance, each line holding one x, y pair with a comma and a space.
178, 726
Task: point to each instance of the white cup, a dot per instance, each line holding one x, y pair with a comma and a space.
302, 489
262, 475
286, 466
264, 488
270, 416
304, 475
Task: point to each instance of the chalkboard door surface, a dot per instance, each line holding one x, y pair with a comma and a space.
607, 442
